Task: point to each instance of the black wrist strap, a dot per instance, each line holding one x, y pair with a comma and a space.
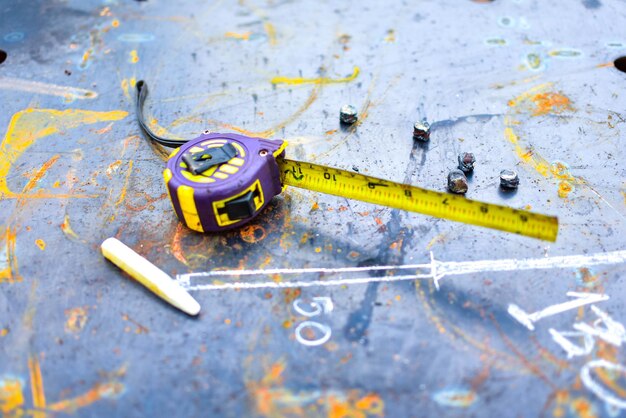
142, 93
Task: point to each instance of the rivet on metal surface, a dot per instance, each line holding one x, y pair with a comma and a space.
509, 179
457, 182
421, 131
263, 152
348, 114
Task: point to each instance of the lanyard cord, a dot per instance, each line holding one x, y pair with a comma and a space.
142, 93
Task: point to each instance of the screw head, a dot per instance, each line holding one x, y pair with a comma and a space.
263, 152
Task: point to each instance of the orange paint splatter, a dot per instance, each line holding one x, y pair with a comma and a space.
583, 408
105, 130
176, 247
252, 233
550, 102
67, 229
99, 391
76, 319
565, 188
139, 329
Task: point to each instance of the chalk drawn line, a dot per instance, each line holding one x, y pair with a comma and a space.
435, 270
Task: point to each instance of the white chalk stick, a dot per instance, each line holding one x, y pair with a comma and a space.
149, 275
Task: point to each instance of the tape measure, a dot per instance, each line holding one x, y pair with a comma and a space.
218, 182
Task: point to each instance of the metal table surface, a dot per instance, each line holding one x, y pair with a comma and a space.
522, 84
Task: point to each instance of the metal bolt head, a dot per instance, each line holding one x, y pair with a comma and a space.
457, 182
509, 179
466, 162
348, 114
421, 131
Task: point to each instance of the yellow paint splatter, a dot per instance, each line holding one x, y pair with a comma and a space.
436, 240
160, 130
67, 228
134, 58
12, 401
9, 272
115, 23
241, 36
391, 36
126, 182
126, 84
4, 332
537, 101
11, 396
270, 30
76, 319
318, 80
41, 244
36, 385
29, 125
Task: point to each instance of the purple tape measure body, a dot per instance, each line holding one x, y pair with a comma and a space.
221, 181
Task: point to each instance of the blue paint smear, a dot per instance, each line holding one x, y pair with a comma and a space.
592, 4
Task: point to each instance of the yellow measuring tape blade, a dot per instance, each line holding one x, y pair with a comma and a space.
414, 199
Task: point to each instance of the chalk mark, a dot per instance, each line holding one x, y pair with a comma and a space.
435, 270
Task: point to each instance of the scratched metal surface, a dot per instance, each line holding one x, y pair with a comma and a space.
523, 84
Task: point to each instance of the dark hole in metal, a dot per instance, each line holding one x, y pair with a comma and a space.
620, 64
3, 56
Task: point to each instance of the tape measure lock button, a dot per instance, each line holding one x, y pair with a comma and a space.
233, 178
